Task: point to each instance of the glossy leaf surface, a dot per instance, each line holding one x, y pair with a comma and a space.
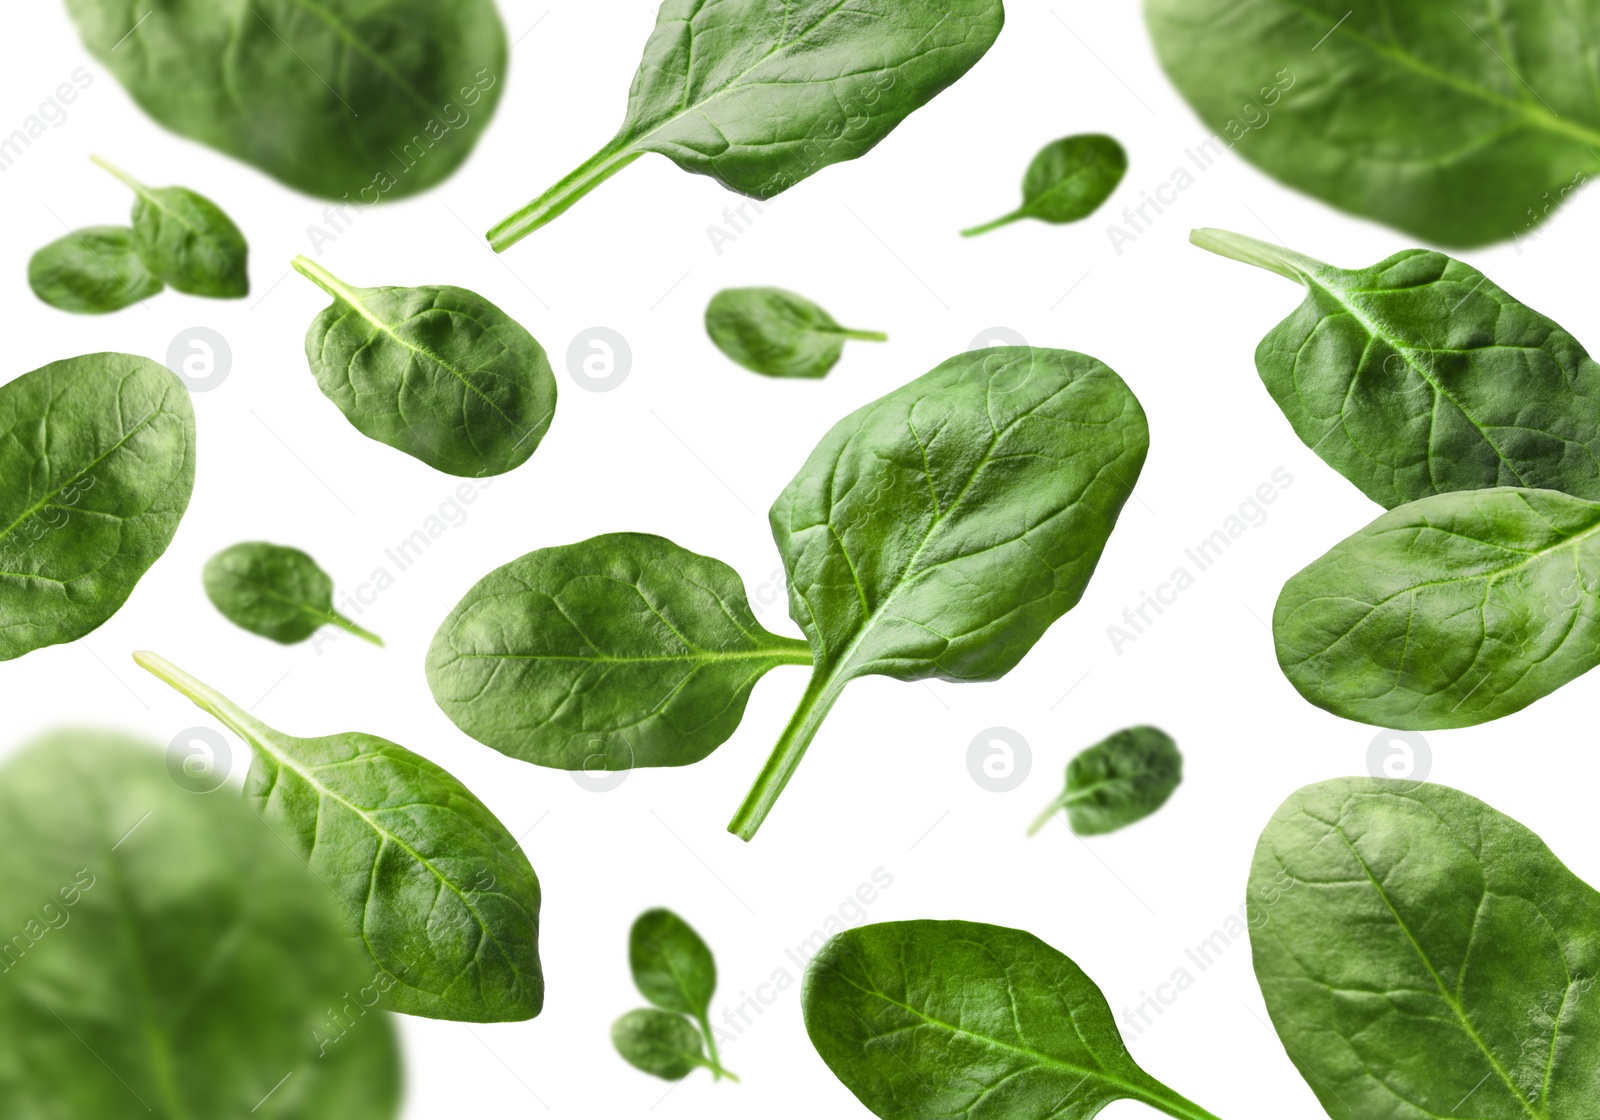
1067, 181
276, 592
91, 271
1121, 779
777, 333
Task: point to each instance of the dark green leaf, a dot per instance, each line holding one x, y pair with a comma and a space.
360, 100
437, 372
1121, 779
91, 271
186, 240
924, 1019
625, 650
661, 1044
1421, 376
1424, 957
1462, 123
276, 592
1067, 181
166, 958
95, 472
777, 333
941, 530
760, 95
672, 967
429, 881
1448, 612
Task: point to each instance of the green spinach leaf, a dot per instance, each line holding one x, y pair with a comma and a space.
166, 958
1420, 376
1121, 779
941, 530
923, 1019
662, 1045
360, 100
95, 472
429, 881
276, 592
1462, 123
625, 650
777, 333
1426, 956
437, 372
761, 96
673, 969
186, 240
1067, 181
91, 271
1448, 612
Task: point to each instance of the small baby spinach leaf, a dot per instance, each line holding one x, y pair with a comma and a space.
941, 530
359, 100
761, 96
429, 881
186, 240
1426, 956
1420, 376
91, 271
624, 650
1448, 612
922, 1019
1121, 779
437, 372
661, 1044
95, 472
276, 592
777, 333
165, 957
1067, 181
673, 969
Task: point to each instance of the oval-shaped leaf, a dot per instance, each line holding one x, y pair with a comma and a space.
777, 333
165, 957
1447, 612
1423, 955
437, 372
1067, 181
672, 966
95, 473
1121, 779
663, 1045
428, 880
1421, 376
186, 240
276, 592
91, 271
360, 100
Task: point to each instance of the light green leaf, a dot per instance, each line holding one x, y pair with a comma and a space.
777, 333
186, 240
663, 1045
1067, 181
276, 592
1121, 779
91, 271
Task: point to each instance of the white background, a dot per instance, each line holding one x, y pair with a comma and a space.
696, 449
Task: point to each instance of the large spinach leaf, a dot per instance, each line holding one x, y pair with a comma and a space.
1425, 957
96, 469
276, 592
1448, 612
1121, 779
1461, 123
437, 372
1067, 181
624, 650
359, 100
922, 1019
429, 881
91, 271
673, 969
186, 240
166, 958
777, 333
1420, 376
761, 95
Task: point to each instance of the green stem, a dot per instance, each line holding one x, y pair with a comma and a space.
818, 700
1016, 216
863, 336
1262, 254
137, 187
241, 722
325, 280
1051, 810
1181, 1107
715, 1064
349, 627
563, 196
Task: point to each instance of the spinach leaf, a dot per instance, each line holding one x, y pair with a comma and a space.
91, 271
437, 372
777, 333
673, 969
1420, 375
939, 531
663, 1045
1448, 612
923, 1019
1121, 779
429, 881
359, 100
1423, 116
1426, 956
95, 471
276, 592
761, 96
1067, 181
625, 650
165, 957
186, 240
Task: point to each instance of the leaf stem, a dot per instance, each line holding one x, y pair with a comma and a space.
820, 695
1050, 810
324, 279
1181, 1107
136, 186
864, 336
1014, 216
563, 196
715, 1063
349, 627
1262, 254
241, 722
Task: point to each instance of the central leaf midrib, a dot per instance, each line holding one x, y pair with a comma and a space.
352, 41
798, 654
32, 511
